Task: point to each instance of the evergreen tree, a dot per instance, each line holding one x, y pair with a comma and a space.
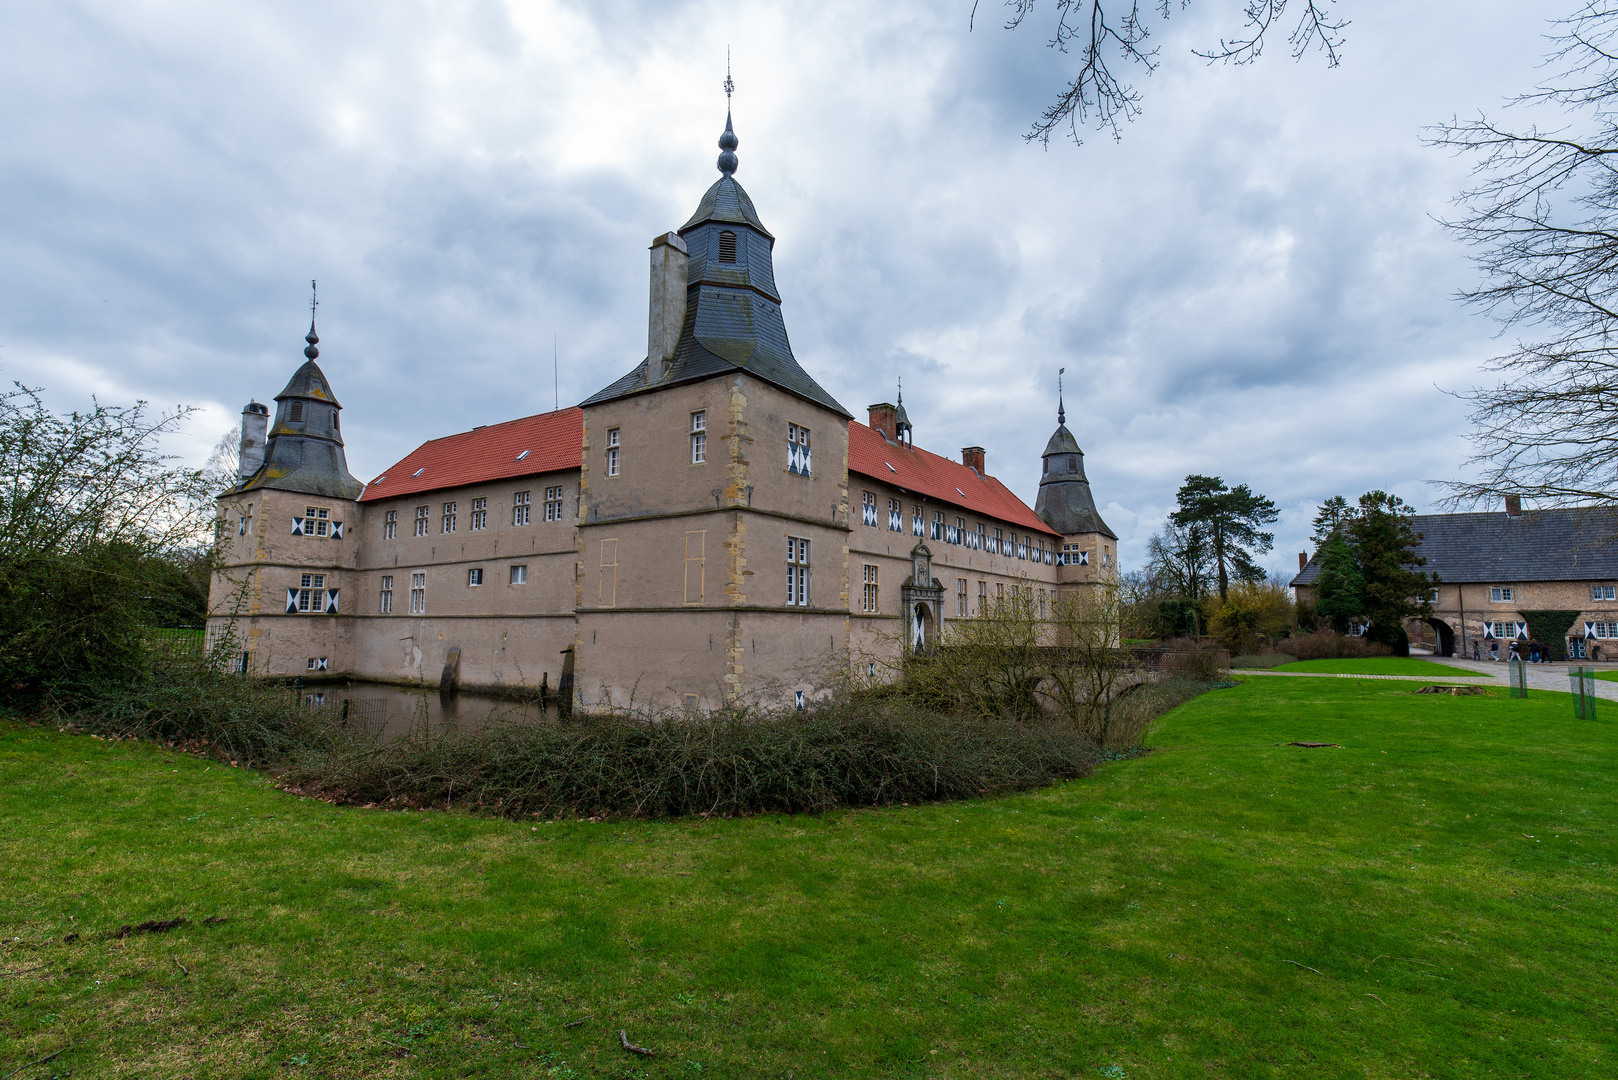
1334, 513
1384, 544
1232, 517
1341, 587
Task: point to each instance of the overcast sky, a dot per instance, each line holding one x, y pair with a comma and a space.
1250, 284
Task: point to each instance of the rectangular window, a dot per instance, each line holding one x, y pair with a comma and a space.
520, 506
317, 663
982, 542
1042, 603
960, 532
798, 453
695, 566
553, 503
390, 525
316, 521
960, 597
983, 597
999, 547
418, 593
607, 587
480, 514
999, 593
421, 520
1500, 594
613, 446
869, 599
244, 527
449, 518
384, 602
1597, 592
312, 594
699, 438
896, 516
915, 521
519, 575
1074, 555
474, 576
797, 572
938, 525
868, 508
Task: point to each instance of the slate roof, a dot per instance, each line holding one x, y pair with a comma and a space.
309, 382
1065, 501
1574, 544
726, 201
554, 441
728, 330
940, 478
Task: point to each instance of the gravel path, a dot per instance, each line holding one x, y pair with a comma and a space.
1474, 672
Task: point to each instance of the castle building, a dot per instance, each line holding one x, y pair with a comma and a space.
711, 527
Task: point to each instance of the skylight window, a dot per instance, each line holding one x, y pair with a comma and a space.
961, 493
891, 469
524, 454
418, 472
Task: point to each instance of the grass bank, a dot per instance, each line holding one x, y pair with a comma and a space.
1435, 897
1380, 665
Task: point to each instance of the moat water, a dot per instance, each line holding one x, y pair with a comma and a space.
388, 711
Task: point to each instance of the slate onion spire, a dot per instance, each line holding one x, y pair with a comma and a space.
727, 144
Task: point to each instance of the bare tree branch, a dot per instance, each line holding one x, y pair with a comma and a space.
1103, 40
1542, 218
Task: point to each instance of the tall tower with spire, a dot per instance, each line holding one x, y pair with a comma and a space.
754, 516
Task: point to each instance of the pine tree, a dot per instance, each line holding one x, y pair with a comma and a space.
1341, 587
1232, 517
1384, 543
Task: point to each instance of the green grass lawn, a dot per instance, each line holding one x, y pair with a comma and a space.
1434, 898
1604, 676
1379, 665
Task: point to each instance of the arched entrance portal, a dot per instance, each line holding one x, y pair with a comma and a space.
1445, 645
923, 628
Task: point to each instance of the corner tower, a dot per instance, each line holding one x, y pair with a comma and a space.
290, 534
1065, 503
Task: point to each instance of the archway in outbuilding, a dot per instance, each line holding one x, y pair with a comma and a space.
1445, 645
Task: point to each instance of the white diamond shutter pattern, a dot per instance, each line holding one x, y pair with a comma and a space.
331, 601
292, 601
297, 526
337, 530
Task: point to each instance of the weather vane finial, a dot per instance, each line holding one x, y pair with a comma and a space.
728, 141
312, 338
901, 389
1061, 410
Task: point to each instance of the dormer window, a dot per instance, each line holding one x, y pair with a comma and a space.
727, 247
296, 415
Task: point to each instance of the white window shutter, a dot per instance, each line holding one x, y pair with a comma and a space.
337, 530
292, 602
1589, 629
331, 601
297, 526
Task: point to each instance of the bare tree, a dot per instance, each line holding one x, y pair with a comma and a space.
1106, 35
1543, 221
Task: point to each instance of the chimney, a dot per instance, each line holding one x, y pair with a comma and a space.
1513, 506
255, 431
1303, 561
667, 314
885, 418
972, 457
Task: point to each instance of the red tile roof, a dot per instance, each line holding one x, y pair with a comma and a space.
553, 441
922, 471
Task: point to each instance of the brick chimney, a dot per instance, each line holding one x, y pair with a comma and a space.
1303, 561
1513, 506
972, 457
885, 418
667, 309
